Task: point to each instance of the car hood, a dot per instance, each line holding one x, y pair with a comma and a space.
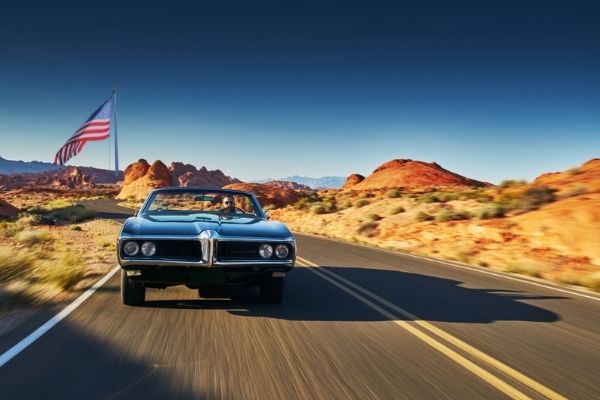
191, 225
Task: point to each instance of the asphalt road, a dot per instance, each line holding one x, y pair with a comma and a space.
356, 323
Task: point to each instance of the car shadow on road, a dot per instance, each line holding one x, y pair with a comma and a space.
309, 297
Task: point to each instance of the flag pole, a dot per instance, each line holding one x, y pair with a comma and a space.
114, 95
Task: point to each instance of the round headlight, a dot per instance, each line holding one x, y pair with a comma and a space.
148, 249
265, 250
131, 248
282, 251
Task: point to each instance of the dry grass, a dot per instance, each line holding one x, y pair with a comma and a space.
43, 266
487, 223
14, 264
32, 237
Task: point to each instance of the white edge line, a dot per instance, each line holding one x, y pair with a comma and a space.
51, 323
497, 274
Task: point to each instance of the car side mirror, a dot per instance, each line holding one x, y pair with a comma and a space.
267, 215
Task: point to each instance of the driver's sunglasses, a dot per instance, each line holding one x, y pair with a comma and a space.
228, 203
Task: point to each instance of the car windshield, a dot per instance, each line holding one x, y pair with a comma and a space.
202, 202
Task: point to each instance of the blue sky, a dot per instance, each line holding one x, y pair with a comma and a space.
269, 89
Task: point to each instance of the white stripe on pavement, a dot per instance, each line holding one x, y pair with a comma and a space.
51, 323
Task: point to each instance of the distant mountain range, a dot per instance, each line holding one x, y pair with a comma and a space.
329, 182
9, 167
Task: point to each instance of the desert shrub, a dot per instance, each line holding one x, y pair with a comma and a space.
591, 281
74, 214
60, 210
491, 211
512, 183
423, 216
526, 198
535, 197
9, 228
476, 194
428, 198
75, 228
452, 215
361, 203
397, 210
318, 209
301, 204
66, 273
394, 193
576, 191
525, 269
348, 204
57, 204
374, 217
369, 229
13, 264
29, 238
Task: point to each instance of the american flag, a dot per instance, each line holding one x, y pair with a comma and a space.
97, 127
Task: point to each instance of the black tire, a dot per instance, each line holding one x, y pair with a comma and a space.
132, 293
212, 292
272, 290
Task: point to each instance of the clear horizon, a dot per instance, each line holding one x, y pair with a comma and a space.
271, 90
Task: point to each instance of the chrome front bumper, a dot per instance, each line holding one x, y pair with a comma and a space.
208, 242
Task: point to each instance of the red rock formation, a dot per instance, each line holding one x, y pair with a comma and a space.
352, 181
135, 171
187, 175
414, 174
63, 179
156, 176
268, 194
7, 210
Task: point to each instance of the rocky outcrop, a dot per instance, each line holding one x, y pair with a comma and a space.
187, 175
352, 181
268, 194
289, 185
7, 210
135, 171
414, 174
137, 187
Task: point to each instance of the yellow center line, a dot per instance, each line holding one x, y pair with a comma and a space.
337, 280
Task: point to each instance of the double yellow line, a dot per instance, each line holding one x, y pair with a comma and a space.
430, 335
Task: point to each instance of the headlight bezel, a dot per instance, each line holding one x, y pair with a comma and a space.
147, 244
132, 243
281, 246
265, 247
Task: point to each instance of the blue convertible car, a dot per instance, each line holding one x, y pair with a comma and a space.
204, 239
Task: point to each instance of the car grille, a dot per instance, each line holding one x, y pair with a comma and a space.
179, 249
238, 251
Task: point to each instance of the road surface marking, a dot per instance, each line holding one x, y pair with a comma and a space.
475, 269
525, 380
51, 323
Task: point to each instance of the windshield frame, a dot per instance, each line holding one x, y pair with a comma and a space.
145, 209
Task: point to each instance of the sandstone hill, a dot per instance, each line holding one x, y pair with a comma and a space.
412, 174
585, 178
352, 181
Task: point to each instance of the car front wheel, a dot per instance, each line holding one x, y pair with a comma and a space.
272, 290
132, 293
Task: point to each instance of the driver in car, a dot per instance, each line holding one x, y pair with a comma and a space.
228, 205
